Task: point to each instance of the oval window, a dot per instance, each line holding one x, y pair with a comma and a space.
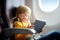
48, 5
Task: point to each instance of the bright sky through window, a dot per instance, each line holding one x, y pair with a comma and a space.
48, 5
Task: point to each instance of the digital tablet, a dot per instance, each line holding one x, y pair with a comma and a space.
39, 25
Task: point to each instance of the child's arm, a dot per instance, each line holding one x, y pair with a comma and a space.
17, 24
31, 26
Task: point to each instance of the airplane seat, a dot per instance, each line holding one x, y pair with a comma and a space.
5, 23
2, 26
1, 23
12, 12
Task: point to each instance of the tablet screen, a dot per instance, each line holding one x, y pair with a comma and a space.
39, 25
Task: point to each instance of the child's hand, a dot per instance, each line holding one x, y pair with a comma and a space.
32, 26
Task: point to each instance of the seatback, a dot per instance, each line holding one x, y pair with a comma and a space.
12, 14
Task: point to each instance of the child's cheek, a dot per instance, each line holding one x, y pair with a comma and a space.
26, 17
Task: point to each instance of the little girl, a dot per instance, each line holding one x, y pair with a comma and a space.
22, 20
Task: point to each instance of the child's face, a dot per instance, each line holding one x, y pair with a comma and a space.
24, 16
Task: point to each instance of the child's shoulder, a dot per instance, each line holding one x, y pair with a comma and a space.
17, 24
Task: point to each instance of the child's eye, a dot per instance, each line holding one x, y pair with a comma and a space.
26, 15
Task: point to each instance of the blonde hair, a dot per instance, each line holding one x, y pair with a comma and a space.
23, 9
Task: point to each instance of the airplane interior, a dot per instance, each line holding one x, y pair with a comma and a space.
44, 15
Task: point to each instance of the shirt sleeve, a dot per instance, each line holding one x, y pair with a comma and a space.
17, 24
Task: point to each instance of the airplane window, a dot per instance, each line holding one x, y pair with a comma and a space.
48, 5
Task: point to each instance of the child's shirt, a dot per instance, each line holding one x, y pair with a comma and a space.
18, 24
